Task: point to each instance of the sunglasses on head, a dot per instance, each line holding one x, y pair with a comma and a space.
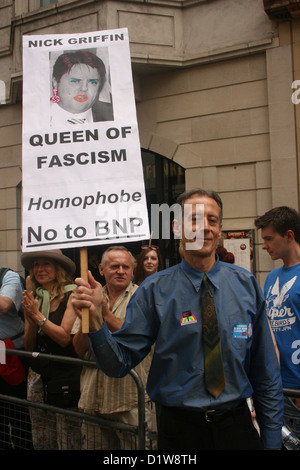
152, 247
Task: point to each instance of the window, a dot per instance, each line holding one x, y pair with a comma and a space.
164, 181
43, 3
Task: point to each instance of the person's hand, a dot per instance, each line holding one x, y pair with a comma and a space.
89, 295
27, 282
105, 309
113, 323
296, 402
30, 305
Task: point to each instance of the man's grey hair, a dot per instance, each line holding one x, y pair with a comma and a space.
116, 248
201, 192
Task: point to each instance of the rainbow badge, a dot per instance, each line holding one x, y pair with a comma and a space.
187, 318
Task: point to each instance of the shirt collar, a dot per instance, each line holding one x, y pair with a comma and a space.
196, 276
61, 116
125, 291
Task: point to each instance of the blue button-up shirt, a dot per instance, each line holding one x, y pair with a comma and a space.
166, 310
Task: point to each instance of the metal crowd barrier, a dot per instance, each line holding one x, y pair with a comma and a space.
291, 392
19, 411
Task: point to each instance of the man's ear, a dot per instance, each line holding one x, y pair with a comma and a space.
54, 83
176, 227
220, 232
290, 235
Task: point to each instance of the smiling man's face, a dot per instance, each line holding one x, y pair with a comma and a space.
79, 89
201, 230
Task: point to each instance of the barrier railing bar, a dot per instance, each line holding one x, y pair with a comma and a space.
140, 430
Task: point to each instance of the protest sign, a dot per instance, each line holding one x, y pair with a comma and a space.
82, 170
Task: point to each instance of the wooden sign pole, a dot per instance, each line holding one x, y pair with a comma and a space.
84, 274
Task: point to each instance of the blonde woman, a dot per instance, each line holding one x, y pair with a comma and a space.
49, 318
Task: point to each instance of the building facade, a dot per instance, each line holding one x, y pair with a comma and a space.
216, 94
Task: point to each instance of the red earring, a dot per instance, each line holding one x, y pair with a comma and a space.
55, 98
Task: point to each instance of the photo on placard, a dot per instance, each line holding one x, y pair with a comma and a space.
80, 89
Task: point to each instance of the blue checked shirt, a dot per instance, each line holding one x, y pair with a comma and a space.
166, 310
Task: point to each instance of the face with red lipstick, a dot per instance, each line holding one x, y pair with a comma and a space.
78, 89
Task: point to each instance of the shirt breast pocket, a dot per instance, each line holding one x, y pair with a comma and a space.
241, 336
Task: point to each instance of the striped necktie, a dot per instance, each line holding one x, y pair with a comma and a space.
213, 365
77, 121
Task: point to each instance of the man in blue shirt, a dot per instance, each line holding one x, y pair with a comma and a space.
280, 231
166, 310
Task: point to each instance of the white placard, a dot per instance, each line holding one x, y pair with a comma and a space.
82, 183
